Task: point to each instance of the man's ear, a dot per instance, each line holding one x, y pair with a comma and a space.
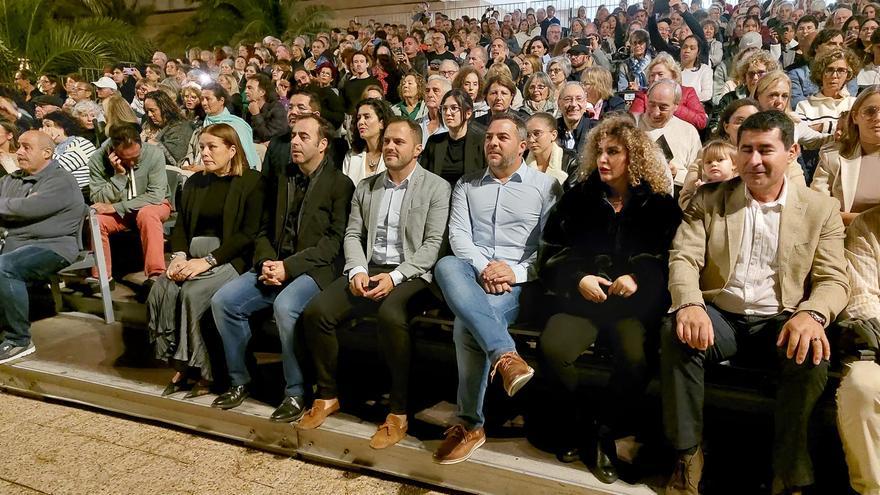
794, 152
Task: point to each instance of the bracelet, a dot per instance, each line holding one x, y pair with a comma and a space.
689, 305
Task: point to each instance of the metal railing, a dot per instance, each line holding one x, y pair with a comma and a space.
565, 10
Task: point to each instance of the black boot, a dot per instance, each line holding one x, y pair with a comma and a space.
605, 459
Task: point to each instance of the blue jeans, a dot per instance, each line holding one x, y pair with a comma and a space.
233, 304
480, 331
17, 268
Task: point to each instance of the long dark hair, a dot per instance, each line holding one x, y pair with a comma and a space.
383, 112
169, 110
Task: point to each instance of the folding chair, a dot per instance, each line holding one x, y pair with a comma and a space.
85, 261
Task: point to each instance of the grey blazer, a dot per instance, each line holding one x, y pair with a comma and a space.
423, 217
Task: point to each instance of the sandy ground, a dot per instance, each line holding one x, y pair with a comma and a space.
55, 449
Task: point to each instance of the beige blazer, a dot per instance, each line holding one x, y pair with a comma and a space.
695, 172
837, 176
423, 216
810, 254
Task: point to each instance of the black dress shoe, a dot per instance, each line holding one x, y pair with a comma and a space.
198, 390
569, 455
289, 411
231, 398
174, 387
604, 464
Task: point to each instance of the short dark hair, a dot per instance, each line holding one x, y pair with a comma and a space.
63, 120
414, 129
728, 112
219, 92
808, 19
767, 121
265, 83
123, 135
325, 129
314, 99
521, 131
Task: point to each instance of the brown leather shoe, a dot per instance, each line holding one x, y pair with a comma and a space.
390, 432
315, 416
515, 372
685, 479
459, 444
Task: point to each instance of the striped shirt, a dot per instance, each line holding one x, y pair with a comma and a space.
73, 155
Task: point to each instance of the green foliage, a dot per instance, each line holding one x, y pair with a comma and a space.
63, 35
246, 20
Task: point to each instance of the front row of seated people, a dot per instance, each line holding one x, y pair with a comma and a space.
756, 265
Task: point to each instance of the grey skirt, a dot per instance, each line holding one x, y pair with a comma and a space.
174, 310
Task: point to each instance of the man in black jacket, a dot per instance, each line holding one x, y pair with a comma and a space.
299, 253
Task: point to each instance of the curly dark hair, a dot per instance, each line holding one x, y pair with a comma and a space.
61, 119
827, 57
383, 112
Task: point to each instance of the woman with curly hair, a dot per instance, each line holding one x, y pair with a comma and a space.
603, 256
831, 70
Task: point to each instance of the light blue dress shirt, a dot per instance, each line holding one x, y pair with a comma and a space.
491, 220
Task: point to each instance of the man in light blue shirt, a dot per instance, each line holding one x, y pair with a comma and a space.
495, 221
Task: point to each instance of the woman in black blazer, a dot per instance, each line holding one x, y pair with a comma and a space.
213, 240
458, 151
603, 255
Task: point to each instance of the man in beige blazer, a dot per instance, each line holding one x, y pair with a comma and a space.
757, 269
392, 241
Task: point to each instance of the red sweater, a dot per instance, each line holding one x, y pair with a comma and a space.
689, 110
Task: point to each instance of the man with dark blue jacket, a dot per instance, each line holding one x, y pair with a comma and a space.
41, 208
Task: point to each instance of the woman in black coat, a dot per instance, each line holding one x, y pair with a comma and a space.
603, 256
213, 240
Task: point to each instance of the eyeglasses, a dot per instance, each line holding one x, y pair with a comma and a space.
450, 108
447, 73
756, 73
536, 134
554, 70
836, 71
572, 99
539, 87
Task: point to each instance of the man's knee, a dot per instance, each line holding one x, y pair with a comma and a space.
150, 215
860, 386
392, 318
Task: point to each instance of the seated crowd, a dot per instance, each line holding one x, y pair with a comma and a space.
661, 179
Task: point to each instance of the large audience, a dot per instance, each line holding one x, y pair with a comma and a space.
661, 178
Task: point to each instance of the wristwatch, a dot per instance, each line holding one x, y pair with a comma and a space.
211, 260
816, 316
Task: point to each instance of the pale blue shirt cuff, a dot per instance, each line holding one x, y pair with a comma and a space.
521, 272
397, 277
354, 271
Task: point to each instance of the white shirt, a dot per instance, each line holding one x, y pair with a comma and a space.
700, 80
753, 288
388, 245
354, 165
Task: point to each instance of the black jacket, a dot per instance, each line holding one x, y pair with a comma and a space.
584, 236
242, 214
270, 122
434, 157
580, 132
324, 217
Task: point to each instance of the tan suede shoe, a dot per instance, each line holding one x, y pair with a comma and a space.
315, 416
459, 444
390, 432
515, 372
685, 479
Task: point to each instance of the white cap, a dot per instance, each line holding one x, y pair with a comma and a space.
106, 83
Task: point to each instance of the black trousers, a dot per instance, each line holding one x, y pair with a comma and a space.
753, 338
336, 304
565, 338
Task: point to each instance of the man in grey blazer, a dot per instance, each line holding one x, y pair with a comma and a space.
394, 234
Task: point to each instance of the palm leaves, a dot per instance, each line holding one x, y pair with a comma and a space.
246, 19
64, 35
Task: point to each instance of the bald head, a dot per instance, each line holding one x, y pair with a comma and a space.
35, 151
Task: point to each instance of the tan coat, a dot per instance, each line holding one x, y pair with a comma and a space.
837, 176
706, 246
